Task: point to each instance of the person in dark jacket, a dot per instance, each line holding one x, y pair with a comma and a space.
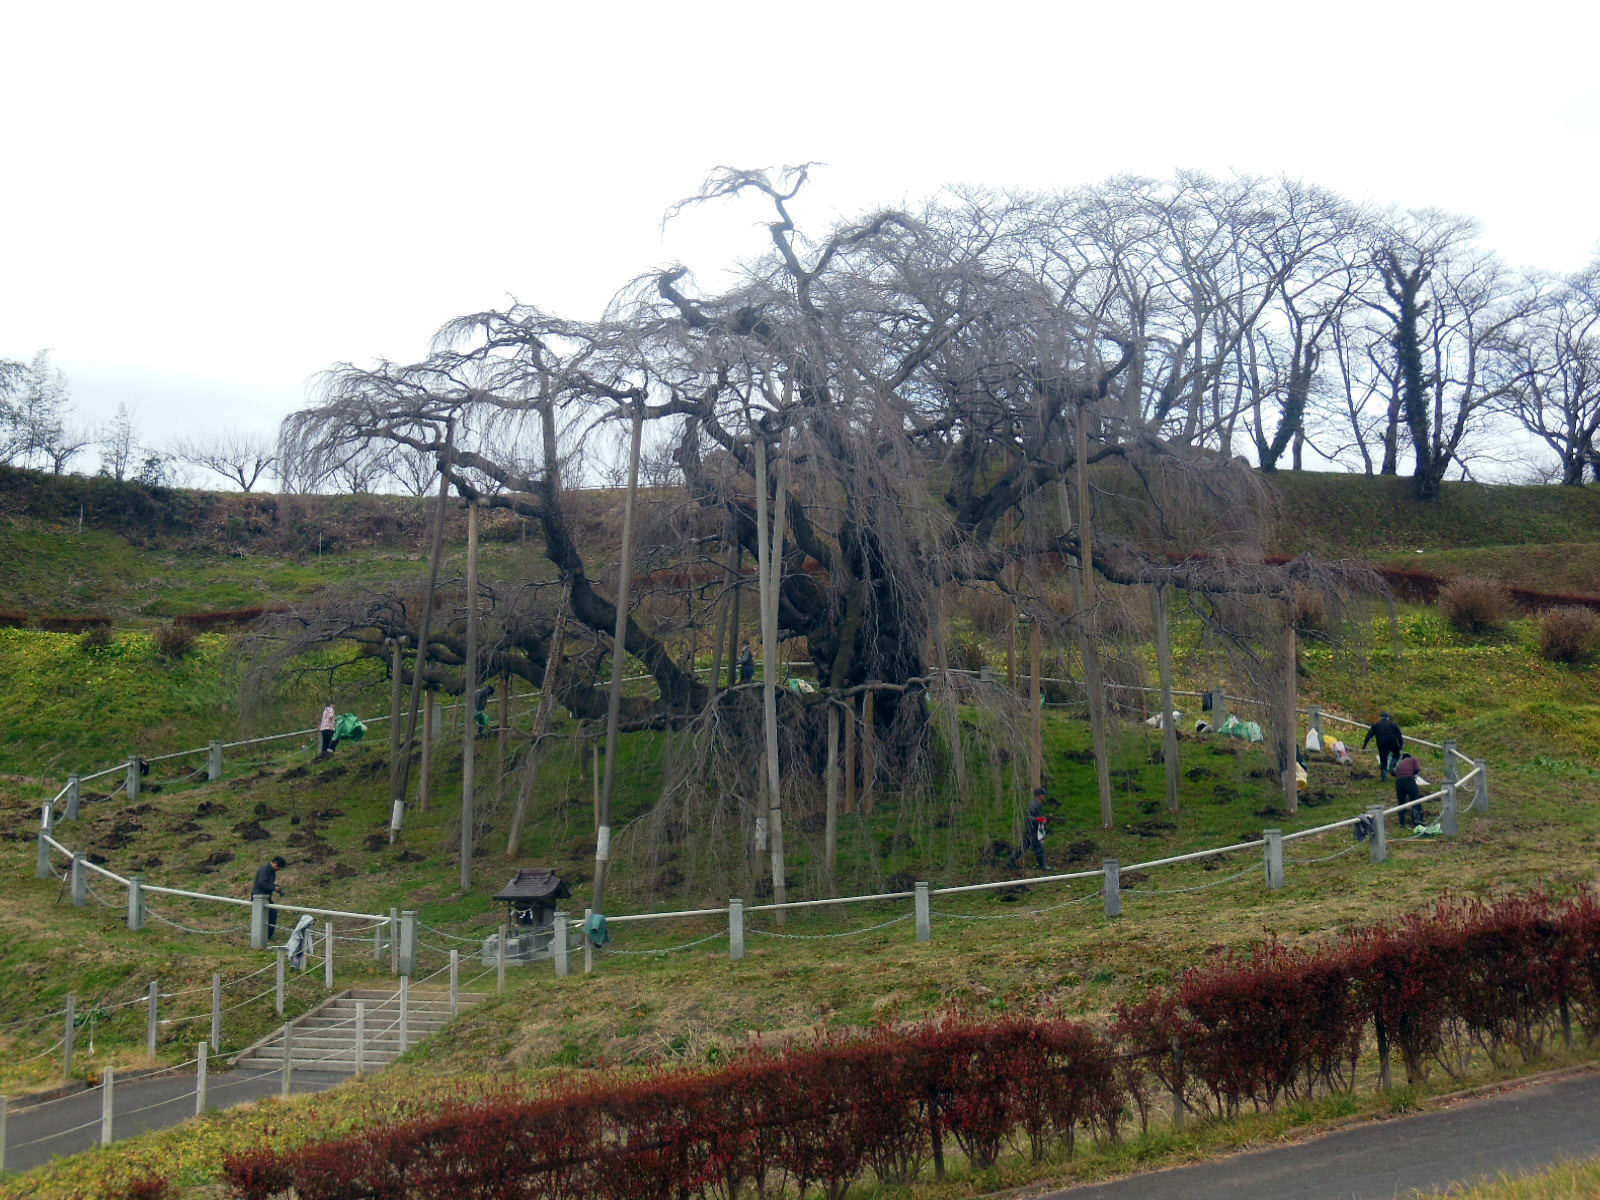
480, 706
1406, 773
1033, 830
267, 885
747, 663
1390, 742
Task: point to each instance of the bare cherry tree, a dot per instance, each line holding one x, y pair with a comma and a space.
1556, 391
239, 457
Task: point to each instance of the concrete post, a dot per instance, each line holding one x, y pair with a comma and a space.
455, 982
405, 1013
80, 881
133, 778
1314, 720
288, 1058
392, 933
258, 922
2, 1135
924, 923
361, 1038
107, 1081
558, 944
588, 946
67, 1039
985, 673
1219, 708
74, 795
1480, 798
736, 930
1447, 814
1380, 846
1113, 888
1451, 775
201, 1070
280, 957
151, 1022
43, 870
1178, 1106
500, 959
1274, 859
327, 956
213, 762
377, 942
216, 1011
136, 903
408, 944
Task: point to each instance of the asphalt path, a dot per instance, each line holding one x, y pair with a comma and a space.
37, 1134
1469, 1139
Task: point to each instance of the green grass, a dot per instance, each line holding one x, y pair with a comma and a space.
1339, 516
1537, 723
1564, 1181
1558, 567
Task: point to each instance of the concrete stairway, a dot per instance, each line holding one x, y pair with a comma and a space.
324, 1039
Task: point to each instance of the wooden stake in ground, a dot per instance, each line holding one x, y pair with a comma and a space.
830, 831
952, 715
850, 720
469, 740
1035, 705
1083, 599
541, 724
769, 553
619, 653
1169, 727
399, 786
1288, 720
425, 773
505, 733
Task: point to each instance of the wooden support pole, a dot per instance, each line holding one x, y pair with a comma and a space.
619, 655
469, 751
1160, 607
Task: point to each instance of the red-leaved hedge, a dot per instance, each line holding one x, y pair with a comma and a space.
1249, 1028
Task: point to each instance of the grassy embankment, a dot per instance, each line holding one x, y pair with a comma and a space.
1536, 723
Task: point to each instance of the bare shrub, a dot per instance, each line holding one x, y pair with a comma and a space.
966, 654
95, 637
174, 641
991, 612
1475, 606
1569, 634
1311, 610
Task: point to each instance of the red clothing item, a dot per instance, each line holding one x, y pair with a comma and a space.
1407, 767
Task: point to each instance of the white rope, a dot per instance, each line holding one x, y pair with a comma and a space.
454, 937
721, 933
1015, 916
1306, 862
52, 1136
192, 929
816, 937
252, 999
1199, 887
32, 1057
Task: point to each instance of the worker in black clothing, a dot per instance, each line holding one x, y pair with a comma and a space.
1390, 743
1033, 830
267, 885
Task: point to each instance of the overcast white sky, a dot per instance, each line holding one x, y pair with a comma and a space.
203, 205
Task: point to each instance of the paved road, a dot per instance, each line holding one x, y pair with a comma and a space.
35, 1135
1514, 1131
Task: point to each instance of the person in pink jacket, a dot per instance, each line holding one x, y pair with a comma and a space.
326, 729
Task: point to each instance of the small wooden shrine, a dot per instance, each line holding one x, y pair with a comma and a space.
531, 899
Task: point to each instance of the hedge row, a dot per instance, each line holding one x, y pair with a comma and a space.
1252, 1028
